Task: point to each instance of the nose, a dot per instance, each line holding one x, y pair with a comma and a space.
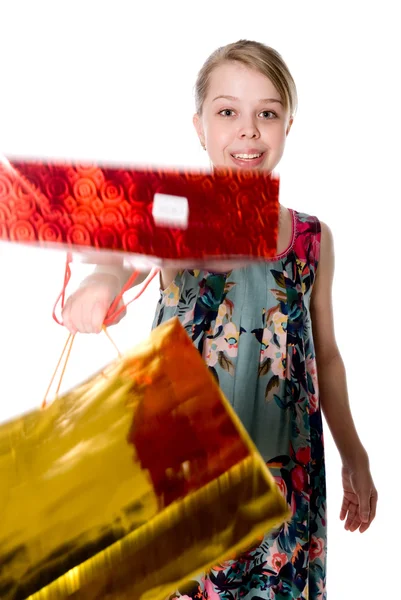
248, 129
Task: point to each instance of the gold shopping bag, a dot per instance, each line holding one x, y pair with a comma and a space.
131, 483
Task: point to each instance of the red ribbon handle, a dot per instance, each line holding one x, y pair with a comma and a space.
113, 311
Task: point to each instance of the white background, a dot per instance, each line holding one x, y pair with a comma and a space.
114, 81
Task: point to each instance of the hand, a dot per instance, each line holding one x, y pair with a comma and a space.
86, 309
360, 497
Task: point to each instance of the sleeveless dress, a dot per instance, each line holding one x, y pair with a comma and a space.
253, 328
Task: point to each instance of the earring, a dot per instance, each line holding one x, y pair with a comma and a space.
203, 145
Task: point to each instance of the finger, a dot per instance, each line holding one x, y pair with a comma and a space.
98, 315
355, 523
373, 506
352, 512
364, 505
75, 314
344, 509
85, 317
90, 310
364, 527
66, 317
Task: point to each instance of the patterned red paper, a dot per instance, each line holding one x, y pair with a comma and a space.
232, 214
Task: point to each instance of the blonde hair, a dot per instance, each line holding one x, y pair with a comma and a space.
256, 56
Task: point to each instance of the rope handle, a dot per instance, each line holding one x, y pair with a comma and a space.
113, 311
111, 316
67, 351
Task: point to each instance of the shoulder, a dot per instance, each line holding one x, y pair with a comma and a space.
312, 225
307, 238
308, 228
305, 221
326, 244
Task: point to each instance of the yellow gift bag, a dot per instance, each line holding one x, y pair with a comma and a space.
131, 483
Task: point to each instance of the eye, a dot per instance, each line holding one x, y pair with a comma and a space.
226, 110
268, 114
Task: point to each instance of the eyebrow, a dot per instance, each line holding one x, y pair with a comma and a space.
262, 101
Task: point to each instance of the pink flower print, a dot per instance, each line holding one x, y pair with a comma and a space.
210, 593
314, 250
312, 244
313, 403
219, 350
279, 559
317, 548
275, 559
281, 485
273, 549
303, 455
311, 368
300, 246
277, 357
299, 478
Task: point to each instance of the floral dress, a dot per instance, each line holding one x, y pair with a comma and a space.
253, 328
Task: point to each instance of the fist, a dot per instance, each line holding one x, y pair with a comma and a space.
85, 311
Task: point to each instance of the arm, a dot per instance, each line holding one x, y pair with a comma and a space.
86, 309
331, 372
114, 270
122, 274
333, 394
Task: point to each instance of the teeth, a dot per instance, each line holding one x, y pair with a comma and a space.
246, 156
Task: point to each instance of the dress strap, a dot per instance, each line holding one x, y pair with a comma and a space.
307, 242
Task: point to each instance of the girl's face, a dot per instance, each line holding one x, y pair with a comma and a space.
243, 122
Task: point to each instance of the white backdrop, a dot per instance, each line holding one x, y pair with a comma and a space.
114, 81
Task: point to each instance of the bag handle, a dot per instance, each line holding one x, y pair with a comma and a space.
67, 352
111, 315
113, 311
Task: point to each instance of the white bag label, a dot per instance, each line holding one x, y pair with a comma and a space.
170, 211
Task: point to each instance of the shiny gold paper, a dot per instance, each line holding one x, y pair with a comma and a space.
130, 483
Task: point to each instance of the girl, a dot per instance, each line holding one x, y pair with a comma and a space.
266, 332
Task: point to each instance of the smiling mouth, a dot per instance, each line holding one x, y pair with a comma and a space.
247, 156
251, 160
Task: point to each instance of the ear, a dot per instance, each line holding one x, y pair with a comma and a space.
290, 122
197, 121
